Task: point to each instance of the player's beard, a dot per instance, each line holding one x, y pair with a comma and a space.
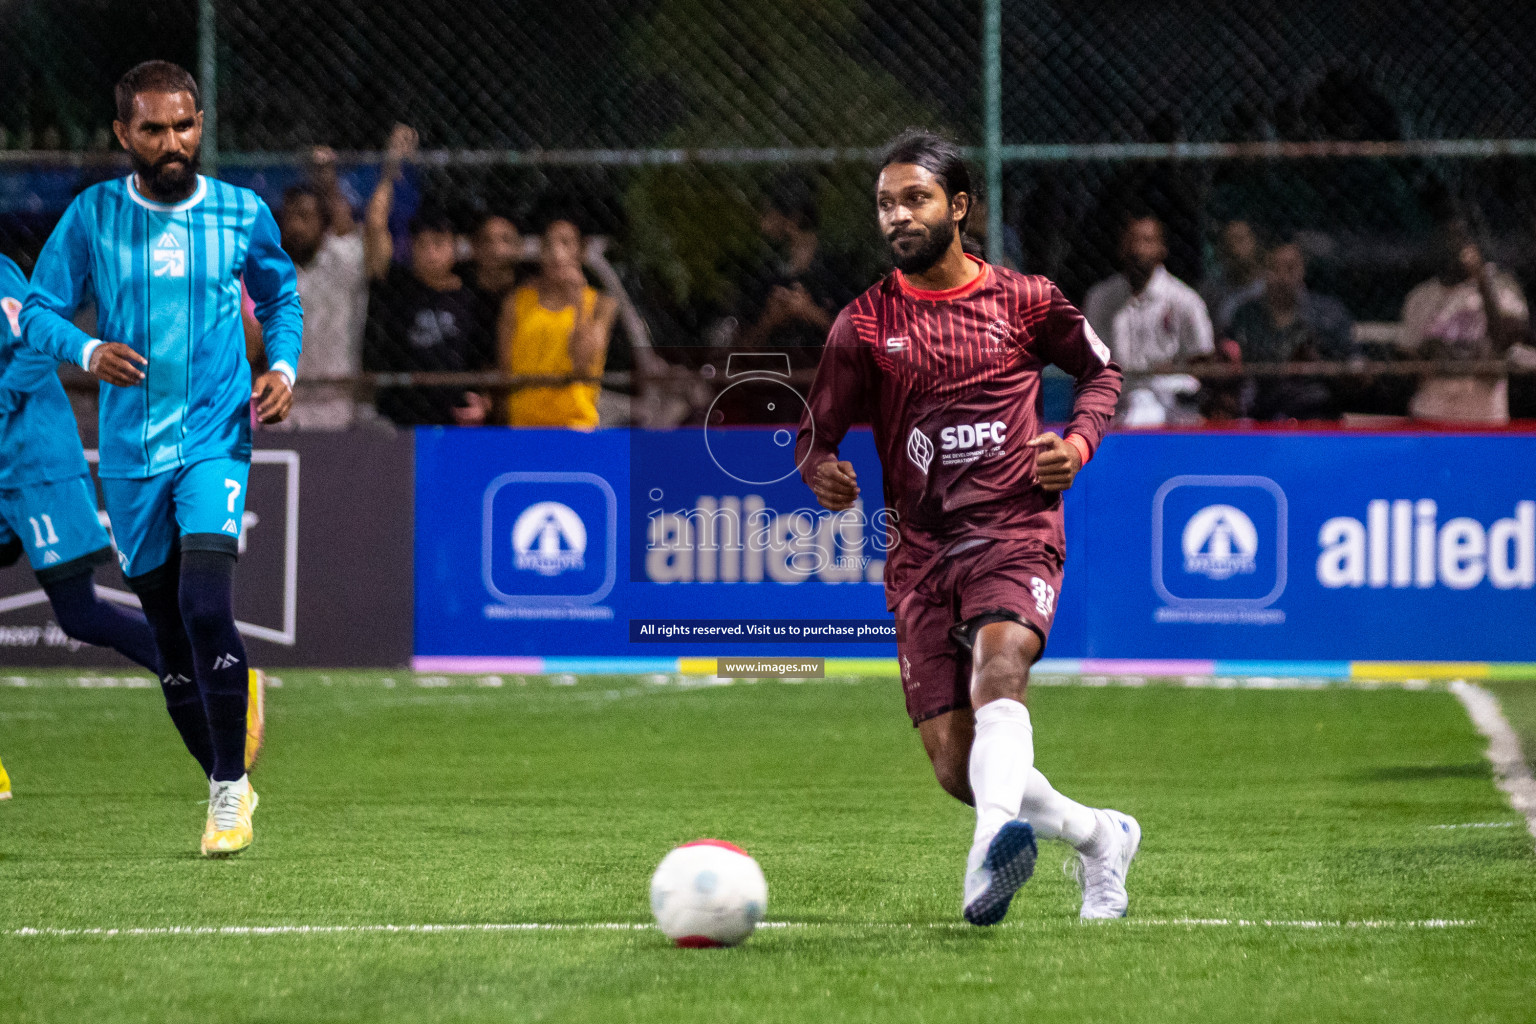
937, 240
164, 183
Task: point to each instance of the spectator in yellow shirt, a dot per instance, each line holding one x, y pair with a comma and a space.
556, 325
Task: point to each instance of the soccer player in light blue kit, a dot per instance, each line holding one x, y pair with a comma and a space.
163, 252
47, 500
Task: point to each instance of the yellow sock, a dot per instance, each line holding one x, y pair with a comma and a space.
5, 784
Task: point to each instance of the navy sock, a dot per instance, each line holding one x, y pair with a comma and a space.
207, 610
86, 617
177, 680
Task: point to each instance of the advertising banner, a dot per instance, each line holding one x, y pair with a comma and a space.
1262, 549
533, 543
325, 572
1311, 547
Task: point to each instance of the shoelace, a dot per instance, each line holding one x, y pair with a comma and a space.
1093, 878
226, 809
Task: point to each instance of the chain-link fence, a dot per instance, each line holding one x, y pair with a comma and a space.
724, 151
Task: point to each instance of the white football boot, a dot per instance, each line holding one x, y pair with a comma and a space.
1103, 877
995, 871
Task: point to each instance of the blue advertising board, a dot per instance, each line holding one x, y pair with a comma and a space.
1310, 546
536, 543
1259, 547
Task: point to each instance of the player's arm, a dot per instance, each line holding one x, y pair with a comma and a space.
1068, 341
59, 282
378, 246
273, 286
29, 369
840, 396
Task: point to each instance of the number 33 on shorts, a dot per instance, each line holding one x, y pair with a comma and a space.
1045, 596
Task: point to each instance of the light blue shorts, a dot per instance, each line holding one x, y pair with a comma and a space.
57, 525
200, 507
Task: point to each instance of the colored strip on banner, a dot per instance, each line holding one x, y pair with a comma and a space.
1393, 671
863, 667
467, 665
1288, 669
609, 666
1146, 667
1512, 672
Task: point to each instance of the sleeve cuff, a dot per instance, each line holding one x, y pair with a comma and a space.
86, 352
285, 368
1083, 451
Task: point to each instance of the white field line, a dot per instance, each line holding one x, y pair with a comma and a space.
257, 931
1510, 770
1482, 824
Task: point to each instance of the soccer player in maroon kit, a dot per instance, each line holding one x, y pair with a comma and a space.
943, 358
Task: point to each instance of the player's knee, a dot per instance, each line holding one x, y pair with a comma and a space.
203, 613
1001, 677
77, 608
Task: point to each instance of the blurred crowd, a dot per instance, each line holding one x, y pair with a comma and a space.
518, 297
446, 304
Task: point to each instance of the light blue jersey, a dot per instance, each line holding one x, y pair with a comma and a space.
47, 503
166, 281
38, 439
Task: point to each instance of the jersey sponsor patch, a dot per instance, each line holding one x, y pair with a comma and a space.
12, 307
1099, 348
896, 344
919, 449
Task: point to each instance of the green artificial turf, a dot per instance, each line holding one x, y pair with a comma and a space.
533, 802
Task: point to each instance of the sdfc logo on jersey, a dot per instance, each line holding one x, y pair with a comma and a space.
168, 257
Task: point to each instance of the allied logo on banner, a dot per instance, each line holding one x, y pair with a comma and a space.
1219, 549
549, 539
549, 546
1220, 542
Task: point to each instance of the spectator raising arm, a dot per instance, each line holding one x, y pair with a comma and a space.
1503, 328
338, 212
378, 247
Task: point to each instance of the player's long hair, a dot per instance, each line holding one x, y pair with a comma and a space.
939, 157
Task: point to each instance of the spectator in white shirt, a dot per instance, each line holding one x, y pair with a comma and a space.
1150, 318
322, 238
1448, 317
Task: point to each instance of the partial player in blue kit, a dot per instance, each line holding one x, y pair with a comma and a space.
47, 502
163, 252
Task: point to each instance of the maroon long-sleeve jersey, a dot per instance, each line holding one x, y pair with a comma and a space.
950, 384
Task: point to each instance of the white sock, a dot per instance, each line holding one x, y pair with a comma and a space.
1056, 817
1002, 755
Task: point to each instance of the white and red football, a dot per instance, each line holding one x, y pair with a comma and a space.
708, 893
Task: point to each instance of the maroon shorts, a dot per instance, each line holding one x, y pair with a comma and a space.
994, 581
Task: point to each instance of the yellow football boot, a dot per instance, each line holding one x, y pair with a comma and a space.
255, 717
5, 784
228, 829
